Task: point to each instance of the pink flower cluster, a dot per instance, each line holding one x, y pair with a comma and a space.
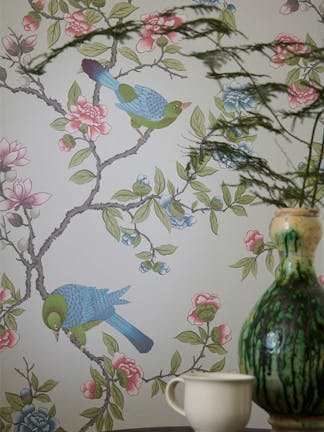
8, 339
200, 301
84, 113
132, 371
285, 47
225, 334
299, 97
88, 389
12, 154
321, 279
77, 24
20, 194
254, 241
156, 26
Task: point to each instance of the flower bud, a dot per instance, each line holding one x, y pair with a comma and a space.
10, 45
28, 44
15, 219
26, 396
34, 213
22, 244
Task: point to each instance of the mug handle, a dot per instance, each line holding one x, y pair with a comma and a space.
170, 395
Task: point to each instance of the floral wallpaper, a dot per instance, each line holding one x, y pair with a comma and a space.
121, 265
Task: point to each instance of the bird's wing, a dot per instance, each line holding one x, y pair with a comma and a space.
149, 104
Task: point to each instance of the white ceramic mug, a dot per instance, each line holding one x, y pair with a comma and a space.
213, 401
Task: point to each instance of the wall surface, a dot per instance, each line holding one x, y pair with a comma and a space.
92, 202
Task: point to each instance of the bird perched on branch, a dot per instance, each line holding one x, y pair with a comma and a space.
79, 308
145, 106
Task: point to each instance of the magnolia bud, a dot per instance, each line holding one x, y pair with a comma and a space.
34, 213
3, 74
15, 219
10, 45
28, 44
22, 244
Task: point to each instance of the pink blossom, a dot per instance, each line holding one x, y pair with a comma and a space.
225, 334
77, 24
8, 339
30, 24
84, 113
40, 4
132, 371
65, 145
5, 294
28, 44
299, 97
289, 6
285, 47
204, 308
11, 154
254, 241
321, 279
20, 194
10, 45
156, 26
88, 389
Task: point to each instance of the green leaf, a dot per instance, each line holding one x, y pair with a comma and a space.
143, 212
162, 384
129, 54
213, 222
310, 41
155, 388
7, 284
245, 199
63, 6
93, 49
174, 64
110, 343
75, 3
216, 349
197, 122
167, 249
181, 172
175, 362
82, 177
159, 181
238, 210
109, 423
90, 412
18, 311
79, 157
59, 124
48, 386
52, 7
228, 17
5, 414
207, 171
96, 376
14, 401
121, 10
116, 412
241, 263
52, 411
270, 260
99, 423
219, 104
141, 189
198, 186
226, 194
145, 255
189, 337
240, 191
125, 195
109, 368
203, 333
218, 366
11, 322
122, 378
172, 49
93, 17
53, 33
176, 209
292, 76
99, 3
73, 94
42, 397
34, 382
111, 223
171, 188
117, 395
203, 197
314, 78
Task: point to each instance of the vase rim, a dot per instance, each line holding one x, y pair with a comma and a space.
297, 211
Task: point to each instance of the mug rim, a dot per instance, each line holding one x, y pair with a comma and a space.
217, 376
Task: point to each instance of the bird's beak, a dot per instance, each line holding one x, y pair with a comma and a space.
185, 105
56, 334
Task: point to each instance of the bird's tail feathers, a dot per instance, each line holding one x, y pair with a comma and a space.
98, 73
140, 341
114, 297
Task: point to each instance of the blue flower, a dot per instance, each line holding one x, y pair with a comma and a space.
32, 419
231, 7
129, 239
142, 178
236, 98
176, 222
143, 268
164, 269
225, 162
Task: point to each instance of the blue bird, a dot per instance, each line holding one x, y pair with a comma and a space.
145, 106
79, 308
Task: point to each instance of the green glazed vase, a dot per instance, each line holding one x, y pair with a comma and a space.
282, 341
